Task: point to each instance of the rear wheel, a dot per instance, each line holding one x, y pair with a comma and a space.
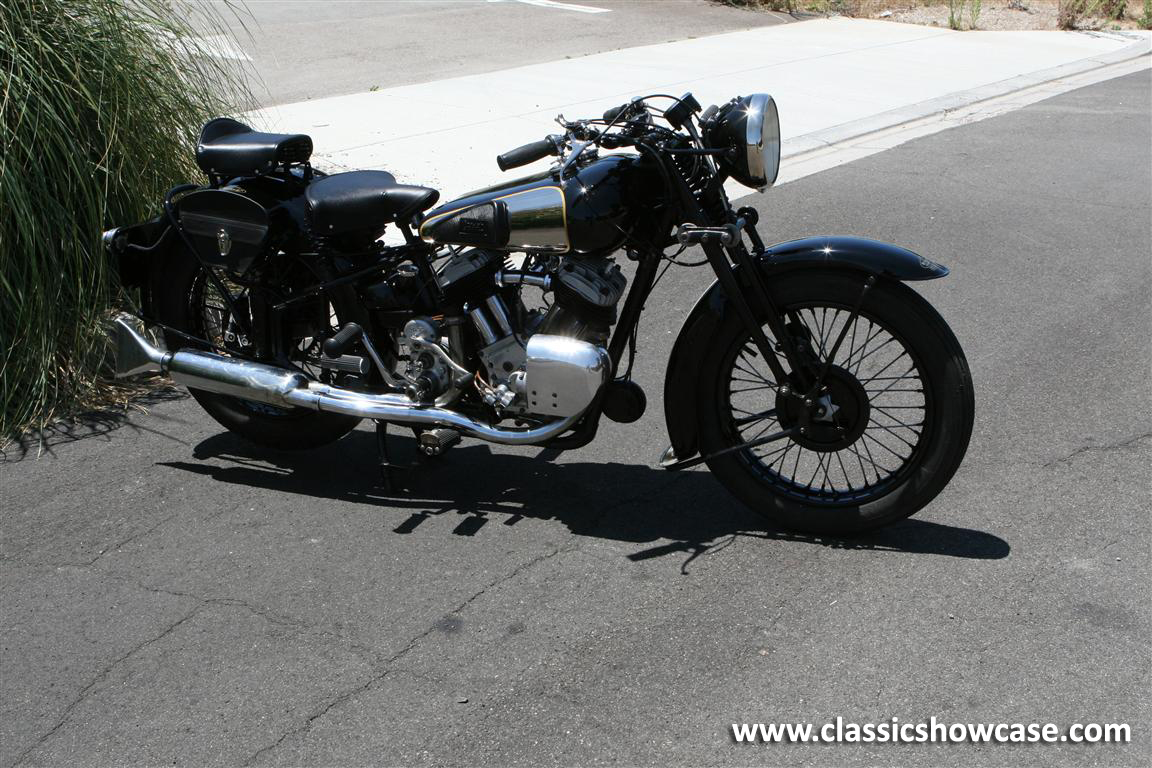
885, 438
187, 300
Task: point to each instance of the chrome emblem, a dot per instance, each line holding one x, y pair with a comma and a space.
223, 242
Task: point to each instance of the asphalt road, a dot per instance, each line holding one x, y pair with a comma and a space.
174, 596
307, 49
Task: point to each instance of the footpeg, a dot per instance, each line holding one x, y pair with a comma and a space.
434, 442
346, 363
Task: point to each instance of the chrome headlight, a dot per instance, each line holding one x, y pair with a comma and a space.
748, 127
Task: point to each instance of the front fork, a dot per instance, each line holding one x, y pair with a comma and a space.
724, 248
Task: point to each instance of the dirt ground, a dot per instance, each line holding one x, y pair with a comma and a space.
1006, 14
990, 15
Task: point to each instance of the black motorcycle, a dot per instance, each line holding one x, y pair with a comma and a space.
817, 387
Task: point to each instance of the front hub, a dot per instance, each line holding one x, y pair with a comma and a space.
831, 422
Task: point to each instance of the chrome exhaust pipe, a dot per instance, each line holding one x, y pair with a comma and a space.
398, 409
134, 353
277, 386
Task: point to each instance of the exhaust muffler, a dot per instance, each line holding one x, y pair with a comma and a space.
289, 389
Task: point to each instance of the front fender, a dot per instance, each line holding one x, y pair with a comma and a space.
872, 256
866, 256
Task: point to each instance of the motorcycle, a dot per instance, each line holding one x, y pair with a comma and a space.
818, 388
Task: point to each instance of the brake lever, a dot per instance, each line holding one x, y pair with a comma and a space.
577, 150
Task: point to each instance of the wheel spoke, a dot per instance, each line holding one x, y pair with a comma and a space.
763, 429
867, 436
871, 458
819, 466
893, 383
873, 351
860, 461
903, 354
868, 337
759, 376
754, 389
898, 423
770, 454
910, 445
754, 417
843, 471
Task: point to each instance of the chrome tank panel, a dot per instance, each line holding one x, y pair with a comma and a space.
587, 212
536, 219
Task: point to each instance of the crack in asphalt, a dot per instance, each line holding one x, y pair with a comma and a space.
103, 675
124, 542
364, 652
367, 654
335, 701
1114, 445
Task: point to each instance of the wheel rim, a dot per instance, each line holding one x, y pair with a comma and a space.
863, 445
215, 324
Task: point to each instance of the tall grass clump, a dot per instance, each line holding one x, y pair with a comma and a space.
956, 13
1072, 12
100, 101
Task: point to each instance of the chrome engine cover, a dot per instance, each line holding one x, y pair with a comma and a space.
562, 375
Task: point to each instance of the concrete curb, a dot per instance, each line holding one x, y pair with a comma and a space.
822, 139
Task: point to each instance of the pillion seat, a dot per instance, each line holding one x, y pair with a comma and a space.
360, 200
229, 148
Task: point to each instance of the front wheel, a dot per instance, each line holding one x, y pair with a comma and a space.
883, 440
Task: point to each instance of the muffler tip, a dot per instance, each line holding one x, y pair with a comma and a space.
134, 353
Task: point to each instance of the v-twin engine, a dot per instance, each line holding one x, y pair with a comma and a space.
566, 369
537, 363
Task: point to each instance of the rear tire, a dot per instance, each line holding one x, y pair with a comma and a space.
846, 501
178, 295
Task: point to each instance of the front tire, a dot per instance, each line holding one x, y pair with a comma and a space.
893, 430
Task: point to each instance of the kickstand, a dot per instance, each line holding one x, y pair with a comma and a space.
385, 463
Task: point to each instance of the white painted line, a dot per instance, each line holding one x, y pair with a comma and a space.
213, 46
219, 47
559, 6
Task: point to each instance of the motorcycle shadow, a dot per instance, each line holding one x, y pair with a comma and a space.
622, 502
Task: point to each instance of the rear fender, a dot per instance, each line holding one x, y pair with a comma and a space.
136, 249
838, 252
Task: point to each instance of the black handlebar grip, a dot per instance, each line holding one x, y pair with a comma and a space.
614, 113
529, 153
335, 346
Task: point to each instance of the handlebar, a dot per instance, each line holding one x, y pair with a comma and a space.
529, 153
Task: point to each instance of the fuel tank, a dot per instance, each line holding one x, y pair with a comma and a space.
589, 211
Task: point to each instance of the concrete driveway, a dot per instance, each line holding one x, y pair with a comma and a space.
174, 596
